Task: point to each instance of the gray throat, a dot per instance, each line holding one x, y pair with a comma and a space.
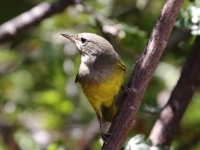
95, 74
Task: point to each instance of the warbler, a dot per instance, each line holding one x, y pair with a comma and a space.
101, 74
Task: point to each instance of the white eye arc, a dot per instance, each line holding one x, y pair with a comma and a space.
80, 43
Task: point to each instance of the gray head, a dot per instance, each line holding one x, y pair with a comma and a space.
93, 48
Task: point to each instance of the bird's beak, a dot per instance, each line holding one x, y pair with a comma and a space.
69, 36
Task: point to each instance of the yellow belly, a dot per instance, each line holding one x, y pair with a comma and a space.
103, 93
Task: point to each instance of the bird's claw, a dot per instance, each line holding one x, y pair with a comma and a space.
125, 89
105, 137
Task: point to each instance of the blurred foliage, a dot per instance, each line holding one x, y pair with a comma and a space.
39, 99
138, 142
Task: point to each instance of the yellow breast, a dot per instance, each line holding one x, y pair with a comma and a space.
103, 93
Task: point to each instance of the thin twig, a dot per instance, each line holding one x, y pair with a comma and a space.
32, 17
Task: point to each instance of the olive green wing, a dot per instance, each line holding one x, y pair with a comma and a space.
122, 65
108, 113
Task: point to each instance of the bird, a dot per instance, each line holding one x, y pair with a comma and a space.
101, 74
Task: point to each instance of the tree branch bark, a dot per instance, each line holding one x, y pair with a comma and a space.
31, 18
142, 74
170, 117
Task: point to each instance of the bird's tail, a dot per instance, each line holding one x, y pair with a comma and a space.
108, 113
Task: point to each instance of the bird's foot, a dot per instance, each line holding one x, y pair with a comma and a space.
125, 89
105, 137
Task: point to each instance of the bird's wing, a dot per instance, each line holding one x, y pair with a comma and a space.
108, 112
122, 65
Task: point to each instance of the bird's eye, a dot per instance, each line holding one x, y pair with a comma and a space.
83, 40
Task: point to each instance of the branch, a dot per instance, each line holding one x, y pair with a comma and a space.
170, 117
32, 17
142, 74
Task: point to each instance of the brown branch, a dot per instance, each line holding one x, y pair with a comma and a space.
142, 74
32, 17
170, 117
